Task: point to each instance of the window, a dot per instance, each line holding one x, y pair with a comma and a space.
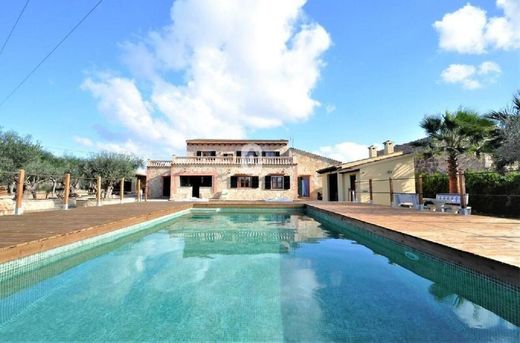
196, 181
244, 182
276, 182
270, 153
207, 153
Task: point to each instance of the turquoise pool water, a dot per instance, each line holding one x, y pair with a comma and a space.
255, 276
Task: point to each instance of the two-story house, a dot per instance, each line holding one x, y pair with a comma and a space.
229, 169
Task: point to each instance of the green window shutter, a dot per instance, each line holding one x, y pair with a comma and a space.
254, 182
233, 182
267, 182
286, 182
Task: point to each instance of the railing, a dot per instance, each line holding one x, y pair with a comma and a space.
221, 160
159, 163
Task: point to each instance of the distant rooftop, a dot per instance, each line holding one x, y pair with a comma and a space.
237, 141
343, 167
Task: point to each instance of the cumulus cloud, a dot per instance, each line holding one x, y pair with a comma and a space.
219, 69
127, 147
470, 76
345, 151
470, 31
83, 141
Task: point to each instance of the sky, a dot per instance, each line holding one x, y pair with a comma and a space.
331, 76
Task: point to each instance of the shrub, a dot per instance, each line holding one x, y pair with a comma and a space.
490, 193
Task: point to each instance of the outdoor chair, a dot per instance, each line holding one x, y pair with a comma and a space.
408, 200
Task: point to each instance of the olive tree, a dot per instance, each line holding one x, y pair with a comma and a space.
112, 167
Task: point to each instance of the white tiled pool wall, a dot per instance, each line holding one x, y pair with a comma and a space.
26, 264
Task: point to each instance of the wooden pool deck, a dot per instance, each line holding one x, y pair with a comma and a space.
492, 239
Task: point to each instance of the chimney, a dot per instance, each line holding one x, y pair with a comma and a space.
389, 147
372, 151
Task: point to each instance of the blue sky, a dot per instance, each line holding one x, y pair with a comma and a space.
333, 76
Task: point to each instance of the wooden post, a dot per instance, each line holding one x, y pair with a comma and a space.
370, 189
138, 190
391, 185
420, 191
122, 190
146, 189
66, 184
98, 191
462, 192
19, 192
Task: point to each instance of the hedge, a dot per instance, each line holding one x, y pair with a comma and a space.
490, 193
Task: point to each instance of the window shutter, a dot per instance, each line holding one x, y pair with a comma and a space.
239, 153
263, 153
233, 182
286, 182
267, 182
254, 182
199, 153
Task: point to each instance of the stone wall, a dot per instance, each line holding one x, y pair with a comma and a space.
154, 180
307, 165
439, 163
221, 182
7, 205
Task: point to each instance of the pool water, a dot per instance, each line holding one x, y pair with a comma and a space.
235, 275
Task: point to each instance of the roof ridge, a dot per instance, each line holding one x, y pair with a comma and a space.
328, 159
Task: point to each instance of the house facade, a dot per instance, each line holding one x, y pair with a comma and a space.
389, 172
224, 169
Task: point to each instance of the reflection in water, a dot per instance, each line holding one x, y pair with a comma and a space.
473, 315
245, 276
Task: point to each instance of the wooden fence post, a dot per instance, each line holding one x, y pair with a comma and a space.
370, 189
462, 192
66, 191
138, 190
420, 191
98, 191
122, 190
391, 185
19, 192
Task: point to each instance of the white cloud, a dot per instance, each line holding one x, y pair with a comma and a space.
330, 108
128, 147
470, 76
470, 31
345, 151
83, 141
220, 69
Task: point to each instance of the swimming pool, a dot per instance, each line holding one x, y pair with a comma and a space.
251, 275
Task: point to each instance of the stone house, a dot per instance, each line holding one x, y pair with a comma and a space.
227, 169
351, 181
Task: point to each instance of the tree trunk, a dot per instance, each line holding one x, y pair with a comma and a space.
453, 169
53, 192
12, 185
108, 193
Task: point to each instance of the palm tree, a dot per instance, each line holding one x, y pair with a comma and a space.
455, 134
507, 136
